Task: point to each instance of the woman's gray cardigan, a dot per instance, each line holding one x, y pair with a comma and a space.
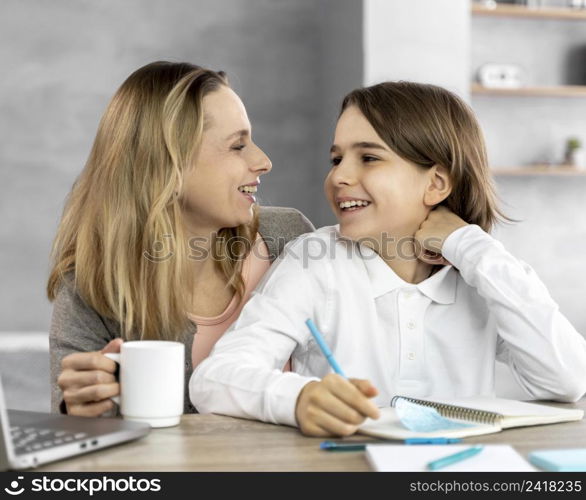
76, 327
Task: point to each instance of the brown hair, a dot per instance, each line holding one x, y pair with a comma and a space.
428, 125
126, 202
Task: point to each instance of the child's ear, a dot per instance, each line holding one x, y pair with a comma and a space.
439, 186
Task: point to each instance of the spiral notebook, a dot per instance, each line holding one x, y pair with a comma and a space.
466, 417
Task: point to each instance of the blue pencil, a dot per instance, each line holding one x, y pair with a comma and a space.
324, 347
440, 463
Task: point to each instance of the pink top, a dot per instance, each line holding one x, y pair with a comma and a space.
209, 330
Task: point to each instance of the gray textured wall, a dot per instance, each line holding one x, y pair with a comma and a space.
342, 59
62, 61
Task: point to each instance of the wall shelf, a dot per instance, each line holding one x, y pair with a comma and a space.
556, 170
571, 98
526, 12
553, 91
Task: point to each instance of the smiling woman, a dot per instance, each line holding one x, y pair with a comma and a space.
161, 237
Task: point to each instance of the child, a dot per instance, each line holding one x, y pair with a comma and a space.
409, 290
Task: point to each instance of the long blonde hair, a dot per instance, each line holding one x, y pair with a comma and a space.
429, 125
126, 202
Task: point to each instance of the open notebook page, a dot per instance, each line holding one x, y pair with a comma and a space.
389, 426
516, 413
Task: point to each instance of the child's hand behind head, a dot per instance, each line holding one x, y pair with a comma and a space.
429, 239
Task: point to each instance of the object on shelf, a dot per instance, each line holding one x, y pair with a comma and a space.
575, 153
532, 4
577, 4
575, 64
500, 76
487, 4
539, 4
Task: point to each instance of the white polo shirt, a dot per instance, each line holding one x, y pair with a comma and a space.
439, 338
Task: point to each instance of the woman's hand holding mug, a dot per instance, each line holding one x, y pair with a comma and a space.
88, 381
152, 381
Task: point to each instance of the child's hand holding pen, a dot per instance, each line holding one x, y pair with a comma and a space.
335, 406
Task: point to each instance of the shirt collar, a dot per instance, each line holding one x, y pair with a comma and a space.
440, 287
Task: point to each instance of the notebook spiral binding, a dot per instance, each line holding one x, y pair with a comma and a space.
458, 412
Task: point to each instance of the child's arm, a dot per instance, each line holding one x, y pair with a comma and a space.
547, 355
243, 375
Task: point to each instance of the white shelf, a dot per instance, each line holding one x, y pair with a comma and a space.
551, 91
552, 170
531, 13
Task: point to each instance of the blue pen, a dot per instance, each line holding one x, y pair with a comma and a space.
456, 457
439, 440
324, 347
361, 445
349, 446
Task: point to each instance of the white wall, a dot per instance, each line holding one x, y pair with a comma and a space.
425, 41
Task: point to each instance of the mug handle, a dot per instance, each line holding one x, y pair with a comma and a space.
114, 356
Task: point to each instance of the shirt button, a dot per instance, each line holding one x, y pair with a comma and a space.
411, 325
409, 294
411, 356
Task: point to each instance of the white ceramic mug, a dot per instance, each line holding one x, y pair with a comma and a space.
151, 381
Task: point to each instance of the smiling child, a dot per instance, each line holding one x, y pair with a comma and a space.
410, 291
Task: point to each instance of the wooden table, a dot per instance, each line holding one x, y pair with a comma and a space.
218, 443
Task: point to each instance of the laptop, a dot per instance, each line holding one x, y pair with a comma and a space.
29, 439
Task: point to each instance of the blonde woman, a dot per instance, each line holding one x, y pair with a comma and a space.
161, 237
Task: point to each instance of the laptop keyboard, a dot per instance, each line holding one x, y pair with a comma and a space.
27, 439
